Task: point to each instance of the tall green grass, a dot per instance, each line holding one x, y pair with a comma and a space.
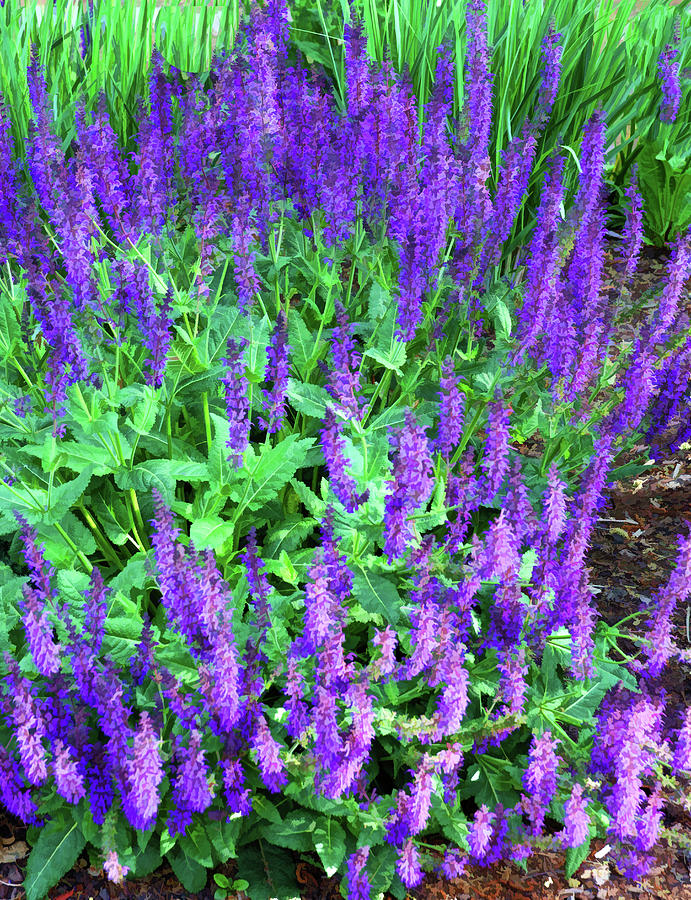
117, 58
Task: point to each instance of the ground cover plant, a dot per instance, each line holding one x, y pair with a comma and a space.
275, 575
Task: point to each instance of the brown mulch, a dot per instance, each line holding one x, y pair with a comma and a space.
632, 553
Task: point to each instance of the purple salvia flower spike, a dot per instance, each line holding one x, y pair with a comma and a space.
576, 819
237, 401
277, 353
358, 881
668, 72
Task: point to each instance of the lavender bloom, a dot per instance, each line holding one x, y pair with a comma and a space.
358, 881
408, 865
333, 445
512, 684
274, 400
157, 338
651, 821
96, 610
237, 401
540, 778
144, 773
668, 72
68, 780
495, 461
542, 288
682, 751
676, 275
576, 819
551, 55
661, 647
451, 411
30, 726
246, 278
478, 81
632, 237
269, 760
386, 640
343, 383
480, 833
260, 590
238, 796
191, 788
13, 791
45, 652
410, 486
179, 588
555, 505
114, 869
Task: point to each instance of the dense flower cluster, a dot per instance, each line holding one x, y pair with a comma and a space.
294, 687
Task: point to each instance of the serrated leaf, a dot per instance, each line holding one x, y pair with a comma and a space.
376, 594
313, 503
59, 844
309, 399
301, 343
294, 833
575, 856
189, 873
161, 474
212, 531
274, 467
330, 843
288, 535
269, 872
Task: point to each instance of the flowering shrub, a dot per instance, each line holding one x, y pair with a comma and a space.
278, 577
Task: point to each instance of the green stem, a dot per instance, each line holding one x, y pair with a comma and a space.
207, 420
71, 544
99, 537
140, 522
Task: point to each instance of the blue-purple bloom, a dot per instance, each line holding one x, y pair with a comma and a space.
237, 402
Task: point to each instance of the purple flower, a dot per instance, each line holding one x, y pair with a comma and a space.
576, 819
237, 402
386, 640
343, 382
69, 783
555, 505
409, 488
408, 865
246, 278
237, 795
540, 778
191, 790
495, 461
668, 72
632, 237
274, 400
271, 766
114, 869
333, 445
651, 821
143, 773
358, 881
682, 750
480, 832
549, 87
451, 411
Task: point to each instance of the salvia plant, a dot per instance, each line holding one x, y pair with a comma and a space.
276, 576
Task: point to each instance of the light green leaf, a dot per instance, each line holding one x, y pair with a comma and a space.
269, 872
212, 531
376, 594
309, 399
294, 833
161, 474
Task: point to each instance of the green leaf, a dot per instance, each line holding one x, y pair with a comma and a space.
301, 343
146, 861
288, 535
309, 399
189, 873
212, 531
196, 845
223, 836
265, 809
269, 872
275, 466
294, 833
313, 503
376, 594
59, 844
66, 495
575, 856
161, 474
329, 842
